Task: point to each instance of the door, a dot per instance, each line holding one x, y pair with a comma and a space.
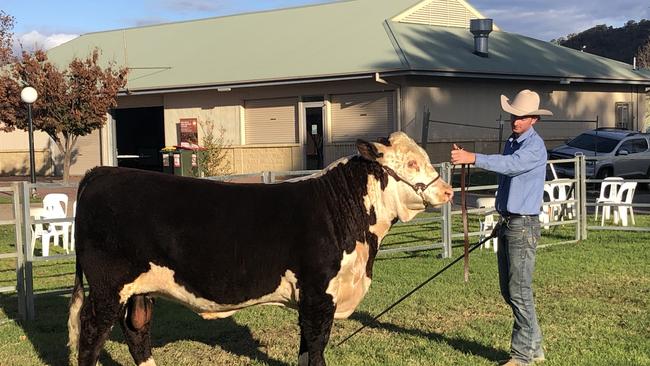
314, 141
629, 163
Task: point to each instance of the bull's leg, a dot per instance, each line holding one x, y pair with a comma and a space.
98, 314
316, 313
136, 326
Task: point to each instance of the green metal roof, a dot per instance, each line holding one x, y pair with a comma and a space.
329, 40
446, 49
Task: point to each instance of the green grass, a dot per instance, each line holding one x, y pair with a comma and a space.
7, 198
593, 300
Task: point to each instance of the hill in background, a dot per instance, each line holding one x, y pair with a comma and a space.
620, 44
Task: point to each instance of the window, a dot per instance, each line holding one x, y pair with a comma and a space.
634, 146
623, 115
593, 143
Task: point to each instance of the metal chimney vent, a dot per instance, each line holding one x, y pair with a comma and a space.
480, 28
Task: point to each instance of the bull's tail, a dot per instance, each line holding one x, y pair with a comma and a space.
76, 301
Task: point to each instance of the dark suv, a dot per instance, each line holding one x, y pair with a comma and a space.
609, 152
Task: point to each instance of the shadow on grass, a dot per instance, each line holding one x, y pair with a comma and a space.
171, 323
463, 345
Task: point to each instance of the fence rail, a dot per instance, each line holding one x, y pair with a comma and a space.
441, 220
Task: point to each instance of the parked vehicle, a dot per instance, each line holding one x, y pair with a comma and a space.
609, 152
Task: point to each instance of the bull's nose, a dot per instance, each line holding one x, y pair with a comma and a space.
449, 194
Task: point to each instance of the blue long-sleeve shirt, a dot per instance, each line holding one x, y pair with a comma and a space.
522, 172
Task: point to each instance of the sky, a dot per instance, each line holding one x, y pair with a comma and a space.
47, 23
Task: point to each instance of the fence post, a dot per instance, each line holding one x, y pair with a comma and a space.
26, 188
445, 172
500, 120
578, 196
20, 257
582, 164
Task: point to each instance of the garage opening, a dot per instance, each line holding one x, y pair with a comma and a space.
140, 135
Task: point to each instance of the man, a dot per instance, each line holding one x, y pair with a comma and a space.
522, 171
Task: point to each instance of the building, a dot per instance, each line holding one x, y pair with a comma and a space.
294, 88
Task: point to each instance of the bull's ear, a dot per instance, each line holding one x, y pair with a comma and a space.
368, 150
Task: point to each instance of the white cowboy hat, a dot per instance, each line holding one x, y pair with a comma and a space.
526, 103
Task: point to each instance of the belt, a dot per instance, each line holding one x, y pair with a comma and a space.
510, 215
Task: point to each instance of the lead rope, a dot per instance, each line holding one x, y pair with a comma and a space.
465, 255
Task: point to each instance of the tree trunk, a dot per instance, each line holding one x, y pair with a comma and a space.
66, 149
66, 165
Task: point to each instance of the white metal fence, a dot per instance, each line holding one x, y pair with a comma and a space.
442, 220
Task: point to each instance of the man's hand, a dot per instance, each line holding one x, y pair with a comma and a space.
460, 156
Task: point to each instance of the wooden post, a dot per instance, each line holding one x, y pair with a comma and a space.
463, 208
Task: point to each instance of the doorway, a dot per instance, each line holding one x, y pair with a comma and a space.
140, 135
314, 141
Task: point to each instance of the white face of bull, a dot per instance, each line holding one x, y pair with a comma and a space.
417, 183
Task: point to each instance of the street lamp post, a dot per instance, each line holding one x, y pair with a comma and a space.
29, 95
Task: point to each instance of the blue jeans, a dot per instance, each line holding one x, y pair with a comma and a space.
518, 237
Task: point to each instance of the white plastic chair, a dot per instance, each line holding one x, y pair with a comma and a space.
624, 195
39, 231
485, 202
548, 206
56, 207
488, 223
558, 192
608, 191
545, 218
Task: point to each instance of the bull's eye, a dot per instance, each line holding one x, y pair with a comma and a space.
412, 164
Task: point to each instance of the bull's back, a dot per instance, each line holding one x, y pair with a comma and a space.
216, 237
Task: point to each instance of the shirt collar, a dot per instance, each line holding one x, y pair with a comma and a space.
523, 136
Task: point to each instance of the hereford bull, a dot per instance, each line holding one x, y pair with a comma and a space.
218, 247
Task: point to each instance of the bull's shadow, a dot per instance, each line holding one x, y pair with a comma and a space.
171, 323
462, 345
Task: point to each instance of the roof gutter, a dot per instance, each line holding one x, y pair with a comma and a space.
558, 79
229, 87
377, 76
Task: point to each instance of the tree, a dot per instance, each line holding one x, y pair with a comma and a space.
6, 38
213, 159
71, 103
643, 55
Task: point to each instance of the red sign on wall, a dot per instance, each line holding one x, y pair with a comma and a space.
189, 136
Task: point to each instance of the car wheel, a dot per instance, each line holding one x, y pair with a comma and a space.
604, 173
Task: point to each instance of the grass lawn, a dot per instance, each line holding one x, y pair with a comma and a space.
593, 300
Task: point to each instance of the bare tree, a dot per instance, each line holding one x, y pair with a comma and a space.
71, 103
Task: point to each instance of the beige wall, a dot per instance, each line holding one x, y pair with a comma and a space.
477, 102
467, 101
16, 162
221, 108
14, 153
226, 109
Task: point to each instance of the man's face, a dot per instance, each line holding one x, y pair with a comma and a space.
522, 124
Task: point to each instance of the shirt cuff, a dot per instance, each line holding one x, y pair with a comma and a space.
480, 161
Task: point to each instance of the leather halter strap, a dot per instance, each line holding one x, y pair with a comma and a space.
419, 188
